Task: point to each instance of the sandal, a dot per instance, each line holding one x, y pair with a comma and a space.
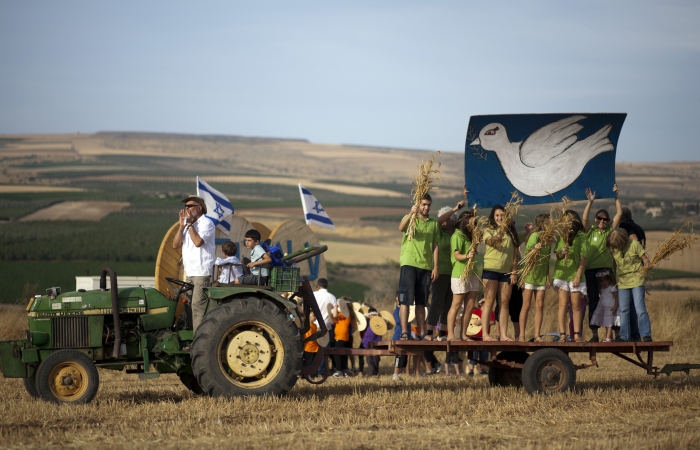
578, 339
405, 337
425, 337
607, 340
521, 338
539, 339
562, 337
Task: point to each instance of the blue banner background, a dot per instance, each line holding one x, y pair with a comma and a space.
487, 182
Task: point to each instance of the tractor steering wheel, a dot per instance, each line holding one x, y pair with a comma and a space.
183, 286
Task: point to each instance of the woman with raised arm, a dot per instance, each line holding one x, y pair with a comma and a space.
599, 257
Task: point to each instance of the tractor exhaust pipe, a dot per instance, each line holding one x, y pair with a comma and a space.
115, 305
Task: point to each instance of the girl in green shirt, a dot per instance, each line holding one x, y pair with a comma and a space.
462, 289
500, 270
571, 261
537, 280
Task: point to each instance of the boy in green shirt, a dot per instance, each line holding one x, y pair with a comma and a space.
419, 264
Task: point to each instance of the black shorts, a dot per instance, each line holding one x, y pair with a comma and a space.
414, 286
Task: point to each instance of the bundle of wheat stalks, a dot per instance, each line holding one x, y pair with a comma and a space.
559, 223
427, 175
509, 212
677, 242
478, 227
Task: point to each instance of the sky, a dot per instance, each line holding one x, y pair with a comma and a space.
404, 74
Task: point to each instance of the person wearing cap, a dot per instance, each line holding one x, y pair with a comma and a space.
196, 238
440, 289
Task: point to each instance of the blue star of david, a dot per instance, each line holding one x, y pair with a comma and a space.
317, 207
219, 211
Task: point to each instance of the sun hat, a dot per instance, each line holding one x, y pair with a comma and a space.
197, 199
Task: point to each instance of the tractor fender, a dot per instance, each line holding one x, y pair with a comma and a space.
225, 295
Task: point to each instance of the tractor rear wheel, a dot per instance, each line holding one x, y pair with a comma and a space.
246, 347
190, 382
67, 376
30, 386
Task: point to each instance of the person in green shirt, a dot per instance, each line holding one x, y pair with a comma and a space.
500, 270
568, 270
629, 256
464, 290
599, 257
419, 262
440, 292
538, 280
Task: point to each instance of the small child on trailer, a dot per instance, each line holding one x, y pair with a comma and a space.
230, 265
606, 313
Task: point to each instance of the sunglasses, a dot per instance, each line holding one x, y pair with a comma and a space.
603, 219
191, 205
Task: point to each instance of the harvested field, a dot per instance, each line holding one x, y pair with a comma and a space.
613, 406
688, 260
350, 253
76, 211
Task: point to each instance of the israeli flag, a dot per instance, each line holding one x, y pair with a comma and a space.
313, 211
219, 209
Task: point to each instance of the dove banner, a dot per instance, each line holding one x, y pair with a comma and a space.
542, 156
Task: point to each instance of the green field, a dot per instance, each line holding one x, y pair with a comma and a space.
23, 279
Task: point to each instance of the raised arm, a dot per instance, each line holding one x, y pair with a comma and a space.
587, 212
404, 222
449, 213
618, 207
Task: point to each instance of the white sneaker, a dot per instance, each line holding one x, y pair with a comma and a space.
396, 377
337, 375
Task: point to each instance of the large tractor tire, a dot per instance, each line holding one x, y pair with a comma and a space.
547, 371
247, 347
67, 376
30, 386
499, 377
190, 382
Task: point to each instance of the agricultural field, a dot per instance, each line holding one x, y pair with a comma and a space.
613, 406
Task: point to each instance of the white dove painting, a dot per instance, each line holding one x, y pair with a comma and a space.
540, 155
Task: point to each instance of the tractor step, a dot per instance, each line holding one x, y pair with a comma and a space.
148, 375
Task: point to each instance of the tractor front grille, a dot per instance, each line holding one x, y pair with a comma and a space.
70, 332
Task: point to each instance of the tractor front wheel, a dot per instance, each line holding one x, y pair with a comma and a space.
30, 386
67, 376
246, 347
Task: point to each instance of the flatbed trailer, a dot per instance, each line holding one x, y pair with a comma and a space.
543, 367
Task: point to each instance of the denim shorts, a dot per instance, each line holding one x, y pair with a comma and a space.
496, 276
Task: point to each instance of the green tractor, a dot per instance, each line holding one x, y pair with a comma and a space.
249, 342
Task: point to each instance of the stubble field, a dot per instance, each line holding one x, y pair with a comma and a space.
613, 406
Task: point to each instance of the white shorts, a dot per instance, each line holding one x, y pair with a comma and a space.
470, 284
532, 287
568, 286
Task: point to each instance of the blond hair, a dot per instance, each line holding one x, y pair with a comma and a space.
617, 239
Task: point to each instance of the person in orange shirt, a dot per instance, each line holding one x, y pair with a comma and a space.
310, 347
342, 338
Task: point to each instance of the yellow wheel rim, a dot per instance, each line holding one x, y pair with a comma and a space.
68, 381
250, 354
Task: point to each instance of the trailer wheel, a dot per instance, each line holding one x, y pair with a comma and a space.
30, 386
67, 376
246, 347
190, 382
507, 377
547, 371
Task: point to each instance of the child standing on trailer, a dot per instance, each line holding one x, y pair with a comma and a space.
606, 313
568, 270
464, 290
537, 281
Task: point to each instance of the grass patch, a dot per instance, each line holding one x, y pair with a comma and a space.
23, 279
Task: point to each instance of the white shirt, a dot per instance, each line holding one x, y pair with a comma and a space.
229, 274
323, 299
256, 255
199, 261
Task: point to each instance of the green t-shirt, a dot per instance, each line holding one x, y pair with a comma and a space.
499, 259
460, 243
566, 268
444, 260
628, 262
418, 252
599, 256
538, 276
